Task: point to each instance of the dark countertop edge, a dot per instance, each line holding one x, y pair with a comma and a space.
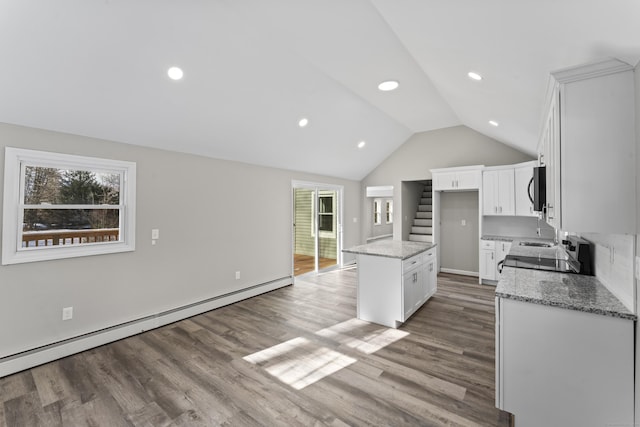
432, 245
592, 310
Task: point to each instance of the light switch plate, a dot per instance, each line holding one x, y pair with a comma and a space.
67, 313
155, 234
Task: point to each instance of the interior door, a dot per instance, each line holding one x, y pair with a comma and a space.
316, 228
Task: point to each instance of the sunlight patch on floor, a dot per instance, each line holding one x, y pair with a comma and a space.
306, 369
300, 362
275, 351
368, 344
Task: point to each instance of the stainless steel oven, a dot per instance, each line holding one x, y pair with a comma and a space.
577, 259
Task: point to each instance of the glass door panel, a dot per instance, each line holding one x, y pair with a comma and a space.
327, 229
315, 231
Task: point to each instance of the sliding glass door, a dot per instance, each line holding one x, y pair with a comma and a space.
317, 227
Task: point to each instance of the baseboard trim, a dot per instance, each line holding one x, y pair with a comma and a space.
37, 356
460, 272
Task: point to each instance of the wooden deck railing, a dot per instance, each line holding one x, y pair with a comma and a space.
68, 237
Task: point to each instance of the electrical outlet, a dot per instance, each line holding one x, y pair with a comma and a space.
237, 275
67, 313
463, 222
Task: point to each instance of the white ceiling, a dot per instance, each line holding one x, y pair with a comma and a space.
254, 68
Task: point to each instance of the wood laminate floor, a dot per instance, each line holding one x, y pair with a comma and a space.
293, 357
303, 264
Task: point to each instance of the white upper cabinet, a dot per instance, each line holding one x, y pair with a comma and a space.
523, 176
456, 179
588, 147
498, 192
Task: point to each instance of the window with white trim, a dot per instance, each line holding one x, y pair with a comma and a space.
389, 211
326, 214
62, 206
377, 211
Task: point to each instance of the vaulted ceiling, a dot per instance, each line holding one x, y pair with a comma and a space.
254, 68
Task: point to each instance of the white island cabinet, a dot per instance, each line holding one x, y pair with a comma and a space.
394, 280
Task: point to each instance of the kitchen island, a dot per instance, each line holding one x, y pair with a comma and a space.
395, 278
564, 348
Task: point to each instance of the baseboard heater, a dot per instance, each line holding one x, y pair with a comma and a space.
47, 353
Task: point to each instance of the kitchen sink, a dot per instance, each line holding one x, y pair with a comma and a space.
537, 244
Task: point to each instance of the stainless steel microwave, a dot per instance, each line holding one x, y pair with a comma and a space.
538, 188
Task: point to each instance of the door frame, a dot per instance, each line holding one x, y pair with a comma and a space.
317, 187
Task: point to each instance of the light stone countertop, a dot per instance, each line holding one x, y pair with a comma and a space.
570, 291
391, 248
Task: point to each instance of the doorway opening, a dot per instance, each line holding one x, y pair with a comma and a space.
317, 227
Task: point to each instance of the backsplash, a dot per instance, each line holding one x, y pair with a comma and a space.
613, 263
514, 226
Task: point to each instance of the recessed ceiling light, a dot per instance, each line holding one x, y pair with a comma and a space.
361, 144
493, 123
388, 85
175, 73
474, 76
303, 122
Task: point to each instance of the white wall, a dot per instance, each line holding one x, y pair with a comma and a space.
517, 226
637, 288
214, 216
613, 264
454, 146
459, 248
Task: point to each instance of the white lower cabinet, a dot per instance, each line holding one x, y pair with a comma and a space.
430, 275
561, 367
412, 284
488, 264
502, 249
487, 260
492, 252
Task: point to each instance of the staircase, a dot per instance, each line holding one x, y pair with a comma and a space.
422, 229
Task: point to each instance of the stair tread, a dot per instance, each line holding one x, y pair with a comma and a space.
420, 238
